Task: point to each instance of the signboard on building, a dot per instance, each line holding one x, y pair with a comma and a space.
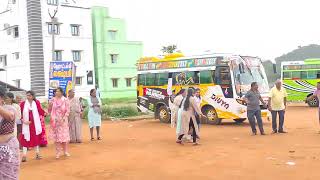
61, 74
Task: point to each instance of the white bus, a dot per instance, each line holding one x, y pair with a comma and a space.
222, 78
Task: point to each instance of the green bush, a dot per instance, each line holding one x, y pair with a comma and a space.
115, 112
44, 105
118, 101
120, 112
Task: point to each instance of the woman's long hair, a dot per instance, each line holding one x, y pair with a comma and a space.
181, 92
187, 102
10, 95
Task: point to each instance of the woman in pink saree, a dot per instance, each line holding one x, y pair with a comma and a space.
59, 110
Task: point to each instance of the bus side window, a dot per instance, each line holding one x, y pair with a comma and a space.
318, 74
196, 79
223, 76
141, 79
206, 77
150, 79
161, 79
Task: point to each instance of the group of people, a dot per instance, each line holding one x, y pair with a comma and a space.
186, 115
276, 104
22, 126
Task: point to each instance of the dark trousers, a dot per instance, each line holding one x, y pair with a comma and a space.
194, 134
254, 115
274, 120
19, 131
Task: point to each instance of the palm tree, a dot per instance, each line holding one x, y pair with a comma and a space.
169, 49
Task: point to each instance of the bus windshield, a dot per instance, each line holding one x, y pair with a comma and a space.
247, 76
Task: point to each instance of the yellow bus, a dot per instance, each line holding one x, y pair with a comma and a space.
222, 78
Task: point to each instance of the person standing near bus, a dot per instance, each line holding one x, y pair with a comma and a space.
176, 105
252, 99
277, 105
188, 114
316, 94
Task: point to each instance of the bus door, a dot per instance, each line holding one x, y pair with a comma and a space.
223, 78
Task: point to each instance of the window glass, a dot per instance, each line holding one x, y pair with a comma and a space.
150, 79
142, 79
312, 74
206, 77
304, 74
287, 75
162, 79
223, 75
185, 78
296, 74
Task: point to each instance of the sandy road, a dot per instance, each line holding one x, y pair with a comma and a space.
147, 150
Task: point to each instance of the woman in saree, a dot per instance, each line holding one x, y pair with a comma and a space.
9, 146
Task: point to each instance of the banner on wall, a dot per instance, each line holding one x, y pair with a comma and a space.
61, 74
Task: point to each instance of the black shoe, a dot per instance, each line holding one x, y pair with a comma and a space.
283, 132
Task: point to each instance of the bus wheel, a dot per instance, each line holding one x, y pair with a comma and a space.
314, 102
163, 114
212, 116
240, 120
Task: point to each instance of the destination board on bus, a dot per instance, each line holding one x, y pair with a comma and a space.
187, 63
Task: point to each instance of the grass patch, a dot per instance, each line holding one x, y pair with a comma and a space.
107, 101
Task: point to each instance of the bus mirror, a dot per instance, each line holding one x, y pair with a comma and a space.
274, 68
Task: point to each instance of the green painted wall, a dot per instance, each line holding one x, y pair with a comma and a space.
128, 54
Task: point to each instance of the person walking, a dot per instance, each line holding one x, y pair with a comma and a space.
252, 99
277, 105
31, 111
9, 100
59, 110
188, 117
74, 118
18, 100
9, 146
198, 100
94, 114
176, 106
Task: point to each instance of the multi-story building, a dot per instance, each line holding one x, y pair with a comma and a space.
115, 56
26, 42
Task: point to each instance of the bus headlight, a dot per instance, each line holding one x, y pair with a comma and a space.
242, 110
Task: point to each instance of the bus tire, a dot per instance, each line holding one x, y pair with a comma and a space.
240, 120
314, 102
212, 116
163, 114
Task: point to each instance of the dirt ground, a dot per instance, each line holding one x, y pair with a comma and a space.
147, 150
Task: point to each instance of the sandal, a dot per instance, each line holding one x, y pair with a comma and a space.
99, 138
67, 154
179, 142
92, 139
24, 159
58, 156
38, 157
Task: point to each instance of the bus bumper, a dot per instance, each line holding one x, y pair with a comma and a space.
265, 113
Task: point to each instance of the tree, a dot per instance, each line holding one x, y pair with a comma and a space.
169, 49
299, 54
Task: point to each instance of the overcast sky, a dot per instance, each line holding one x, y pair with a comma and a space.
264, 28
